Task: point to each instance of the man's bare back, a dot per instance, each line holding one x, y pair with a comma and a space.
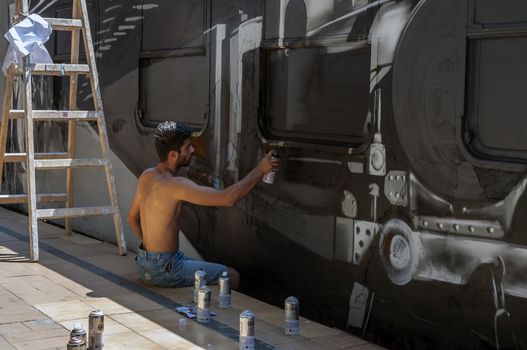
159, 211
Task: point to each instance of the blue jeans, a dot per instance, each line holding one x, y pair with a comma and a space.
174, 269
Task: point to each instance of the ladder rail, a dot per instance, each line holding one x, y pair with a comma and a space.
8, 95
101, 125
75, 38
30, 163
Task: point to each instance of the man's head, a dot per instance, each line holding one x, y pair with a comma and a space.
172, 141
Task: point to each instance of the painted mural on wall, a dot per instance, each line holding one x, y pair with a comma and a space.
398, 212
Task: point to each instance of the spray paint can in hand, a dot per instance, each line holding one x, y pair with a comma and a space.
269, 177
78, 332
203, 311
96, 329
291, 307
247, 330
224, 298
200, 280
76, 343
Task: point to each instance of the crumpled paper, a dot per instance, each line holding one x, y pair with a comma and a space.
28, 38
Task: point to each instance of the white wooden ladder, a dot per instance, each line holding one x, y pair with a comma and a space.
77, 25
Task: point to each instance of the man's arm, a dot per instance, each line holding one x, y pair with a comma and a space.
189, 191
134, 215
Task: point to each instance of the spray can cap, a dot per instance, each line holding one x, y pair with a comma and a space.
224, 274
77, 325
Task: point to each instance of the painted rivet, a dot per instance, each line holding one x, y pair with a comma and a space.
491, 229
377, 160
456, 227
471, 229
440, 226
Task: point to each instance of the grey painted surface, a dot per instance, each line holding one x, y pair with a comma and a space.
4, 22
449, 269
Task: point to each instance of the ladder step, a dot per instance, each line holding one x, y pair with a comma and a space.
44, 115
64, 24
69, 163
16, 114
66, 115
58, 69
61, 213
21, 157
42, 198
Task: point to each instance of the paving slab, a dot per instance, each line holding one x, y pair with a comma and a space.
41, 302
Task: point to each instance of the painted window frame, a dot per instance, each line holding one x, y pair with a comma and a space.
304, 140
476, 153
145, 122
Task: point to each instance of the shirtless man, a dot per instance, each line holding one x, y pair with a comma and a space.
156, 208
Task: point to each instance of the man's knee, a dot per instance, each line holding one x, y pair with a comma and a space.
235, 278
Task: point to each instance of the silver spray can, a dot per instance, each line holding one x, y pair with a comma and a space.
269, 177
200, 280
224, 298
203, 311
291, 307
78, 332
96, 329
76, 343
247, 330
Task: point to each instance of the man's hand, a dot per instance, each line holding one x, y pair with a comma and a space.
268, 163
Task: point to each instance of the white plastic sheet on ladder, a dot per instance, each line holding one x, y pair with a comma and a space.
28, 38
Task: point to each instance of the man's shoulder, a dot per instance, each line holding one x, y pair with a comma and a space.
148, 173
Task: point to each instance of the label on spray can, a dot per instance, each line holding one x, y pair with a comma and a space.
247, 330
269, 177
203, 311
291, 307
96, 329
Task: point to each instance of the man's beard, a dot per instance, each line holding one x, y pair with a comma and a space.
186, 162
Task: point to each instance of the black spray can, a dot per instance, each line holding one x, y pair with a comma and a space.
269, 177
247, 330
76, 343
291, 307
224, 298
200, 280
96, 329
78, 332
203, 312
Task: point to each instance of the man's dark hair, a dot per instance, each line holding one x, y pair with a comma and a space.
170, 136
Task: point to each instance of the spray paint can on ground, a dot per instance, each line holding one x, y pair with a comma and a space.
269, 177
76, 343
96, 329
247, 330
224, 298
203, 311
200, 280
78, 332
291, 307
